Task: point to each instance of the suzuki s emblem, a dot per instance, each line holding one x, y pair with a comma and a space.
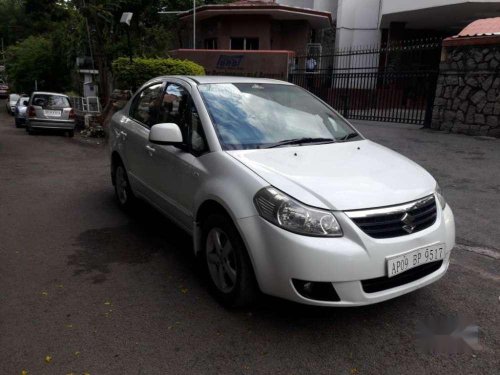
409, 222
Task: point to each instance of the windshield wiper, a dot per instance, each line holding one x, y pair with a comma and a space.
349, 136
299, 141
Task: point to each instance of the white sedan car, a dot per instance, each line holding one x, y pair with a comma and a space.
280, 193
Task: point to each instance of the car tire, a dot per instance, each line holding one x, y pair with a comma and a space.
71, 133
123, 192
17, 122
227, 263
30, 130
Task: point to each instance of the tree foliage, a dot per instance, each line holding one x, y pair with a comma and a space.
75, 28
30, 60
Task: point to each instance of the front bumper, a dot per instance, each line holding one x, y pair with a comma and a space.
279, 256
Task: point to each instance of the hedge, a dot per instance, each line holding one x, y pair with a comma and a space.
132, 75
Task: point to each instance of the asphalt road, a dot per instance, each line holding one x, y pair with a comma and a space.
102, 292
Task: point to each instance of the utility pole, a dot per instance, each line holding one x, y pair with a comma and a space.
89, 39
194, 24
3, 57
126, 19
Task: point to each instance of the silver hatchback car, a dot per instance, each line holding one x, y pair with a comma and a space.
48, 110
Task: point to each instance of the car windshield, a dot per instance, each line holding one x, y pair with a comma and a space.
13, 97
263, 115
51, 101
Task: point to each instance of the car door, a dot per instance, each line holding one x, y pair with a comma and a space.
178, 168
134, 131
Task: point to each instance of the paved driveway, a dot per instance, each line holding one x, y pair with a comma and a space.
105, 293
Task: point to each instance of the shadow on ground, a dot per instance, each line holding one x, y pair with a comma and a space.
148, 232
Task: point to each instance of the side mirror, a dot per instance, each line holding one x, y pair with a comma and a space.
25, 103
165, 134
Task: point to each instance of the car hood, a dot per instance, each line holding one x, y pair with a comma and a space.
340, 176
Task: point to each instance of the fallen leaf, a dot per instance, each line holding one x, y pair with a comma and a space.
44, 293
107, 303
48, 359
184, 290
24, 372
69, 325
77, 353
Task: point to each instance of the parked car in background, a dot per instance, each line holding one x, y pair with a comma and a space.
20, 111
4, 89
48, 110
280, 192
11, 103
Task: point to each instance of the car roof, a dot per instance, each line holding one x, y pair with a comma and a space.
48, 93
200, 80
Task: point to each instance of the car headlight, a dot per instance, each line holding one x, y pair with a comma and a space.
440, 197
289, 214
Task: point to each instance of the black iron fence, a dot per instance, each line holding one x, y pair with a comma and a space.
393, 83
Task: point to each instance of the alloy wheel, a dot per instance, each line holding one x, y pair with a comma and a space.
121, 185
221, 260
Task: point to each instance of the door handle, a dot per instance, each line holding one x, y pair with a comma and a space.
123, 134
150, 149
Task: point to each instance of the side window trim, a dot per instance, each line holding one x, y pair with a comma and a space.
191, 102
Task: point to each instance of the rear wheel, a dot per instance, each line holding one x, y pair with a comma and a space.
71, 133
123, 191
227, 263
30, 130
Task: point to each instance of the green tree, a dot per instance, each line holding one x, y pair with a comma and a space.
29, 61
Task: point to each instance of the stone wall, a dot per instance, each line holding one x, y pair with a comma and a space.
468, 91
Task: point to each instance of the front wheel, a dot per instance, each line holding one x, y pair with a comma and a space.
227, 263
123, 192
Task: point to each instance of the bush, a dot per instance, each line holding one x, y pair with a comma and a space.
132, 75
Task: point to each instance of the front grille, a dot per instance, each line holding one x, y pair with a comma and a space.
384, 282
396, 221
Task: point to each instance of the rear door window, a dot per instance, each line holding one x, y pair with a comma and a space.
51, 101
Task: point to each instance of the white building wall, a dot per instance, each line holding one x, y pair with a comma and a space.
358, 23
321, 5
396, 6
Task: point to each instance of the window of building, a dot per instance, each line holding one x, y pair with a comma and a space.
211, 43
244, 43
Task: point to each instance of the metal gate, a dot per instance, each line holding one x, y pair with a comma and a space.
392, 83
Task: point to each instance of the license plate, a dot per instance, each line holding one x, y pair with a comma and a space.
50, 113
414, 258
